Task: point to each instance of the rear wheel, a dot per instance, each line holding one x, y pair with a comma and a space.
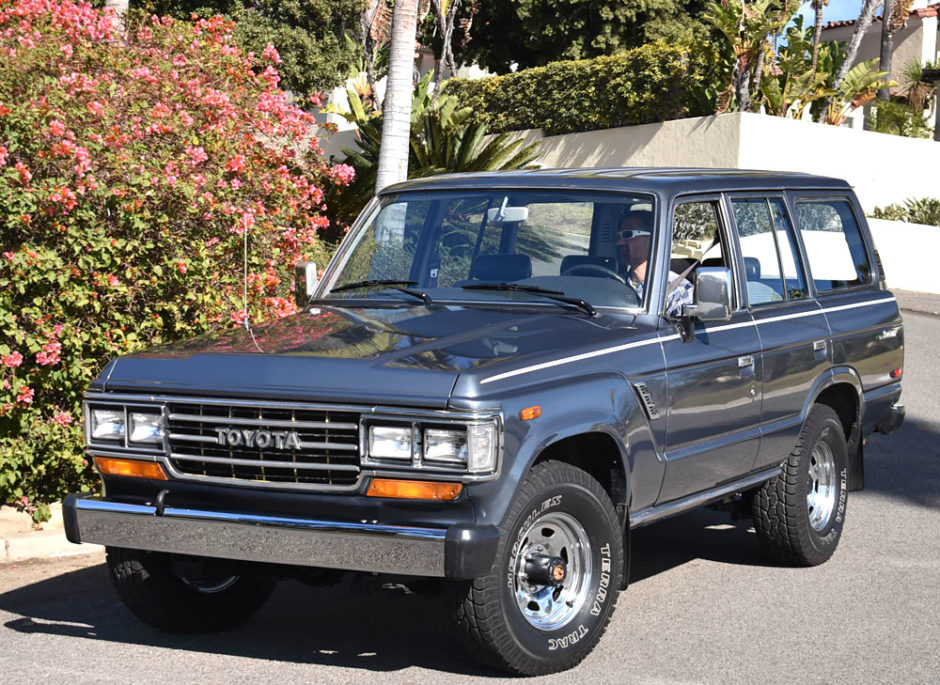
185, 595
553, 586
799, 514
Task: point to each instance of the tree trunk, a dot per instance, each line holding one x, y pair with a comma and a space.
861, 27
445, 24
887, 46
742, 84
396, 110
759, 75
366, 19
120, 8
817, 33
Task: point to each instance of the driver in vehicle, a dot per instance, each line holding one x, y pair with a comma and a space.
633, 252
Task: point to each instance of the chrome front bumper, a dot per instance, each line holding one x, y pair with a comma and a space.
250, 537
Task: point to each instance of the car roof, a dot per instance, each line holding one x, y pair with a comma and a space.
660, 180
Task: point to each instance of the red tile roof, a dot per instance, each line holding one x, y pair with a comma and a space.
928, 11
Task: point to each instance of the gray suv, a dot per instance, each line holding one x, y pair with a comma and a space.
497, 379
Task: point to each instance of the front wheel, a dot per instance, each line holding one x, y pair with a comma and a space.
184, 595
554, 584
799, 514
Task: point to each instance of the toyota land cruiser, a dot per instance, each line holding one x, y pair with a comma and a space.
498, 377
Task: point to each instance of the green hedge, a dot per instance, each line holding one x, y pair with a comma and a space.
653, 83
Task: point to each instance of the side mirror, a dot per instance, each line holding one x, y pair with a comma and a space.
712, 298
305, 278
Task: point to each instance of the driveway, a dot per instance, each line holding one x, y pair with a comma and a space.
703, 607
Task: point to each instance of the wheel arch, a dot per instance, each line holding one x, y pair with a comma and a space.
841, 390
601, 454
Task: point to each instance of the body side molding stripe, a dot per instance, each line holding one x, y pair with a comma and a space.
579, 357
667, 338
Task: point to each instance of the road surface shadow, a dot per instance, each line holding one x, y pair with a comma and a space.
368, 622
365, 622
905, 465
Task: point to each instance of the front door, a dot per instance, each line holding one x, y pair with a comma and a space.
714, 381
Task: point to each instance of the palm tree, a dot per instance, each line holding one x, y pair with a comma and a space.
817, 31
861, 27
396, 124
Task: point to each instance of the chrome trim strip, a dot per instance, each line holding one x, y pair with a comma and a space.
276, 404
645, 516
193, 438
280, 423
252, 537
327, 488
340, 446
264, 463
579, 357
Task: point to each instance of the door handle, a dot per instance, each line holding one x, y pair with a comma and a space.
745, 362
819, 345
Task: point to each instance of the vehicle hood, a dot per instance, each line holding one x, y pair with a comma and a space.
401, 356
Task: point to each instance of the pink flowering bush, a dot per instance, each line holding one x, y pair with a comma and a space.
133, 168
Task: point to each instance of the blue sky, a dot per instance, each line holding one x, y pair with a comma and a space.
836, 10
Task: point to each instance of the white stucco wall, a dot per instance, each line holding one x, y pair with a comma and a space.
701, 141
908, 253
884, 169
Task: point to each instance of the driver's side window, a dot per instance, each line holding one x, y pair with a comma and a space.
696, 236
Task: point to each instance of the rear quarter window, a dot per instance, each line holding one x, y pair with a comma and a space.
834, 246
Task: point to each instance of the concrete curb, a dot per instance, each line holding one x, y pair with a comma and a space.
41, 544
19, 542
922, 303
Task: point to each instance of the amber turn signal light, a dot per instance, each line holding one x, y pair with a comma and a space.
530, 413
413, 489
129, 467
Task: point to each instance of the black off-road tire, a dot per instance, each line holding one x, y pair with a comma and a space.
783, 509
148, 587
489, 609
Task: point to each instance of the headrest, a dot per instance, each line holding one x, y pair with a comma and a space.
501, 268
752, 268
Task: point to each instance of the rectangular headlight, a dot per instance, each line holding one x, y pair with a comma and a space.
390, 442
107, 424
144, 427
447, 446
481, 447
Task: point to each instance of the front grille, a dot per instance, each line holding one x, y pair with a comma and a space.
324, 451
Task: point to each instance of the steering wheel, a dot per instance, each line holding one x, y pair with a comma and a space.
594, 270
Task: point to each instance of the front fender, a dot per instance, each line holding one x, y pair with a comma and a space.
600, 403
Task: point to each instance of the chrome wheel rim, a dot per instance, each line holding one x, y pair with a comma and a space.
209, 586
547, 607
821, 492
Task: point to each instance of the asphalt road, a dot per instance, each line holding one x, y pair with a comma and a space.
703, 606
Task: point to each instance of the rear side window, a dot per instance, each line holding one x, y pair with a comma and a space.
834, 245
765, 235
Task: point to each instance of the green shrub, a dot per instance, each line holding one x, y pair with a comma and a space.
899, 119
131, 172
443, 140
649, 84
924, 210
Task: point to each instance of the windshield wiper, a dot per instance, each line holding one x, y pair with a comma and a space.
370, 284
395, 285
556, 295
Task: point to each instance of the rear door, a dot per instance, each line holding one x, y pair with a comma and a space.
864, 320
713, 414
793, 330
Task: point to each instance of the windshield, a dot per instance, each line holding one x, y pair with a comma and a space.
465, 246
